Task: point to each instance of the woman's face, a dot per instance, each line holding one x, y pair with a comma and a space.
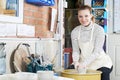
84, 17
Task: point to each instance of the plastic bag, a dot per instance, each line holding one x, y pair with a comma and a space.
2, 65
41, 2
2, 50
2, 58
35, 66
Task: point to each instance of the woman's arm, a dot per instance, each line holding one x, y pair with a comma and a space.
75, 47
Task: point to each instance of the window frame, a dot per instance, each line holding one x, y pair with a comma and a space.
14, 19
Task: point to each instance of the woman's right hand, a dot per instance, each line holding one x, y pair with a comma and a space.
80, 67
76, 64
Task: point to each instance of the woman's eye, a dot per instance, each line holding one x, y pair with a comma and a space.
80, 16
86, 15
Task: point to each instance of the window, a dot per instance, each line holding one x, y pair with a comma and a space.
116, 28
11, 11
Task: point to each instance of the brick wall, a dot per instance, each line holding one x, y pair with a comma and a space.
40, 17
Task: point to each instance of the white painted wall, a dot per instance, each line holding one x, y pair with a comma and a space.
113, 41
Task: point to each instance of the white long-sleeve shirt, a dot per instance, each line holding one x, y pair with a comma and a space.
85, 33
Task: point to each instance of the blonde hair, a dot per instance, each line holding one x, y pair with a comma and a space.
83, 7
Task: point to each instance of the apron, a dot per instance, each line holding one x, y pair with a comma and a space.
87, 49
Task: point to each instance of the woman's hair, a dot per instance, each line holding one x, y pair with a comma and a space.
84, 7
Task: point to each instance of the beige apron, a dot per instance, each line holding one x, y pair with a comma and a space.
86, 48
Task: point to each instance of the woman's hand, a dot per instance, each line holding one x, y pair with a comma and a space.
76, 64
82, 65
81, 68
79, 65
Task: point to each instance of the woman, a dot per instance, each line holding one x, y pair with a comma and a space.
87, 43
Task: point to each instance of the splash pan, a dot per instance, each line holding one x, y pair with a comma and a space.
89, 75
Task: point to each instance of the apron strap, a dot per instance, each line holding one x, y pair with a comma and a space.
79, 33
92, 33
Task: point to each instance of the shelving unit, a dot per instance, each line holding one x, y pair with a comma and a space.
100, 12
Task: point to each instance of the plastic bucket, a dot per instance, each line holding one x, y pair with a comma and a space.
89, 75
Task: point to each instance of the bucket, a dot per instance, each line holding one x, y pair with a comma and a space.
90, 74
45, 75
7, 77
25, 76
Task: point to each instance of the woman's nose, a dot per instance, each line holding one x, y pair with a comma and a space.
83, 18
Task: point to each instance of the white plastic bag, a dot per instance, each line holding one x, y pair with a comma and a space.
2, 51
2, 65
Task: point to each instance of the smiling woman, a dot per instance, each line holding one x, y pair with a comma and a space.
11, 11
